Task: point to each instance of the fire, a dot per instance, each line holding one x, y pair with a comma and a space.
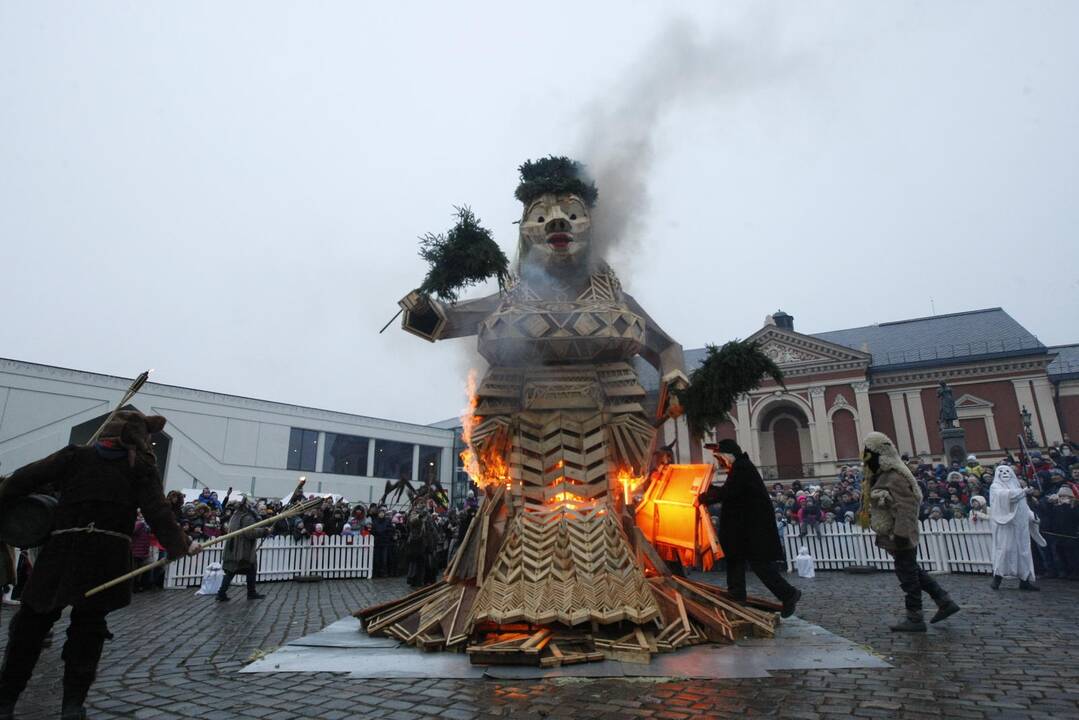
486, 468
629, 481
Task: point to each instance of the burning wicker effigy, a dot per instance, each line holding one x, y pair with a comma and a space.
558, 566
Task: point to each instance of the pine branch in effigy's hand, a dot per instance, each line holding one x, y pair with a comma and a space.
725, 373
464, 256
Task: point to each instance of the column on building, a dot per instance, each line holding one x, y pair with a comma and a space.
415, 464
902, 429
320, 452
446, 468
747, 436
370, 457
1043, 394
865, 414
1025, 397
917, 422
819, 427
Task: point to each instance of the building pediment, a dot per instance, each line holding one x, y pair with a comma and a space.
798, 354
970, 402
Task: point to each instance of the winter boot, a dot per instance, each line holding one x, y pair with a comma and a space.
255, 596
945, 610
71, 711
997, 580
913, 623
1028, 585
790, 603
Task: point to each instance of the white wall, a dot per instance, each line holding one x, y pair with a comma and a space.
222, 440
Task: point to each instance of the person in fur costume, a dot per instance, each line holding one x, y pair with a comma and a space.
240, 556
890, 501
101, 488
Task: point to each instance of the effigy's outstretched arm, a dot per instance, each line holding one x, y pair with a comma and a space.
432, 319
660, 350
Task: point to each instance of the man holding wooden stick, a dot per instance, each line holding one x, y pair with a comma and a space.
101, 487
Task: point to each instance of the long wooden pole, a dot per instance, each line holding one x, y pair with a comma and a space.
294, 510
135, 386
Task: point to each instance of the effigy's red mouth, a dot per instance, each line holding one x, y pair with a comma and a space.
559, 240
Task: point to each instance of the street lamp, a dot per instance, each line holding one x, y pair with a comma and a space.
1027, 431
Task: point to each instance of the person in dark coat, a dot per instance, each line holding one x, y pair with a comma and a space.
240, 556
747, 528
101, 487
382, 529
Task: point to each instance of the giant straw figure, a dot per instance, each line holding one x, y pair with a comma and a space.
558, 423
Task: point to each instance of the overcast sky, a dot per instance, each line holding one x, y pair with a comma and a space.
231, 192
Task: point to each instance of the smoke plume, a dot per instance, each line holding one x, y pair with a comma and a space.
680, 69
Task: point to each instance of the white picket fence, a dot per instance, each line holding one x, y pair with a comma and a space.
282, 558
946, 546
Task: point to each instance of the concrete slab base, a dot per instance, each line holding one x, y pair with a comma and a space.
341, 647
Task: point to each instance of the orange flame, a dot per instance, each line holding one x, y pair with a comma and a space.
487, 468
629, 481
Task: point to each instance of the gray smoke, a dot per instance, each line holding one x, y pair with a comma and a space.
680, 69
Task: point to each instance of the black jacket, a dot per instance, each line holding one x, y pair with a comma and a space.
747, 521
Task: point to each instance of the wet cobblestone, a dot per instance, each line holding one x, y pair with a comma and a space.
1009, 654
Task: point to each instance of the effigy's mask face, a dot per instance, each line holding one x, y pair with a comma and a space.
556, 233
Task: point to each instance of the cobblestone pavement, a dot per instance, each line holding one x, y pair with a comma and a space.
1009, 654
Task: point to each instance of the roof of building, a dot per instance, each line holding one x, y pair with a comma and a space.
975, 334
1066, 363
935, 340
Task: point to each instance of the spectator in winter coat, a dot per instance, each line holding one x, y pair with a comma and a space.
810, 516
382, 529
1066, 532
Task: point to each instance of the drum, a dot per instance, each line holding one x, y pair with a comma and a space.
28, 521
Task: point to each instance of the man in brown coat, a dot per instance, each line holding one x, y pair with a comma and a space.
890, 501
100, 489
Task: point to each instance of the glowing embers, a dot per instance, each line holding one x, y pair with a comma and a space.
562, 493
673, 520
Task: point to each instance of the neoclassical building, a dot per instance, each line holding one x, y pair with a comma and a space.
842, 384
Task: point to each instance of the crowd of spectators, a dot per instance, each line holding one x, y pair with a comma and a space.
415, 538
958, 491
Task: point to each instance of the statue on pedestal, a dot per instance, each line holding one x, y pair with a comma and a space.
948, 415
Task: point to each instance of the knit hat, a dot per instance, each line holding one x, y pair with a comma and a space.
1065, 492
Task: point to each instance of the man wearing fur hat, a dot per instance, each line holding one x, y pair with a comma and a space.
747, 528
101, 488
890, 501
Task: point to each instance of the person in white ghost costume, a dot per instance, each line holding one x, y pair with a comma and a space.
1011, 518
803, 562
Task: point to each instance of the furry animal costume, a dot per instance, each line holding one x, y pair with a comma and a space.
100, 489
894, 496
891, 498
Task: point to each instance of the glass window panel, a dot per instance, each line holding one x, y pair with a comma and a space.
302, 449
345, 454
295, 443
430, 459
309, 452
393, 460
